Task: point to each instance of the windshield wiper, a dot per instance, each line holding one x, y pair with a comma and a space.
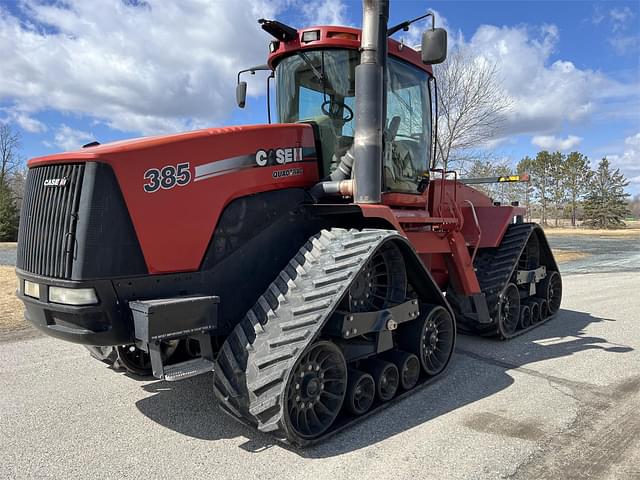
319, 75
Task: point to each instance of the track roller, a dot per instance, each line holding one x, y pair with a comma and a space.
408, 366
525, 316
430, 337
386, 376
534, 306
544, 308
361, 392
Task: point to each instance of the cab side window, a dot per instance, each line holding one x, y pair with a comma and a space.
408, 127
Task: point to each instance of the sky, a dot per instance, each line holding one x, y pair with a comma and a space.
74, 71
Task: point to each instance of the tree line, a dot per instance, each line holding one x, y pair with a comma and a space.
562, 187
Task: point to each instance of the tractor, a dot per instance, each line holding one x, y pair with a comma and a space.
317, 268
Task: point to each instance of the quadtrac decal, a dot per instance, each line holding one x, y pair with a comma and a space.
167, 177
273, 157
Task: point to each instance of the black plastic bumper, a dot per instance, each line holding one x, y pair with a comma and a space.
107, 323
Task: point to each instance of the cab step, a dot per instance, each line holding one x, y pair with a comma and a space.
188, 369
178, 318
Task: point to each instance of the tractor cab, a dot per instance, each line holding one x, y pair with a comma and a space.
315, 77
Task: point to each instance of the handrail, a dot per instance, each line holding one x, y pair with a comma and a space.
443, 187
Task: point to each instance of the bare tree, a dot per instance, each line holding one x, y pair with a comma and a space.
472, 106
10, 142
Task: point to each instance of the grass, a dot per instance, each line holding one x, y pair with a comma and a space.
11, 309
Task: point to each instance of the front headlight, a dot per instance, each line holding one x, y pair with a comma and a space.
73, 296
31, 289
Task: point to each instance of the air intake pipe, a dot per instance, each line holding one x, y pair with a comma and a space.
371, 103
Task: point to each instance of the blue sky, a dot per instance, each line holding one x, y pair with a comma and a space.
76, 71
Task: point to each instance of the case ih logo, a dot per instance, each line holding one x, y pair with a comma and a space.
279, 156
55, 182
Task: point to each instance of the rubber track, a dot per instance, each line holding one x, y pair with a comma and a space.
252, 368
496, 266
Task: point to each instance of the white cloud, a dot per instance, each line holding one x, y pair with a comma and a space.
551, 142
624, 44
25, 121
546, 95
617, 20
147, 67
620, 18
331, 12
627, 159
68, 138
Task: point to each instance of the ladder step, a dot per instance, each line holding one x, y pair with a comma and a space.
190, 368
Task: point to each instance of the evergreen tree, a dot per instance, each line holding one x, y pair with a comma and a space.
605, 204
9, 215
557, 184
576, 174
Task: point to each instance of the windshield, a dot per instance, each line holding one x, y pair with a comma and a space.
319, 86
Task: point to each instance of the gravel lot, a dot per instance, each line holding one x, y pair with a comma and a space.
560, 402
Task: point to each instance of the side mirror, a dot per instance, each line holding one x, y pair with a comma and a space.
241, 94
434, 46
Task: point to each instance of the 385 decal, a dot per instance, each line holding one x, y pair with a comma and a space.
167, 177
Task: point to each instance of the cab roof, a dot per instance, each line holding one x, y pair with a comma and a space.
331, 36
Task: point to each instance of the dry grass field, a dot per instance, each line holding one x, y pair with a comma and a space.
568, 255
11, 316
632, 230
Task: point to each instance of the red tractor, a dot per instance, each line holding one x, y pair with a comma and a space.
319, 267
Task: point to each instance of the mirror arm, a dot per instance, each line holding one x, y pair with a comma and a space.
435, 123
405, 25
269, 96
253, 70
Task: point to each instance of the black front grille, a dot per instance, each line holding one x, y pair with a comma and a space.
46, 237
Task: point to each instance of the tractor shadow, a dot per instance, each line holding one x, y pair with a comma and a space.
478, 370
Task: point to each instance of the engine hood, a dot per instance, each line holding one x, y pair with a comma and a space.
176, 186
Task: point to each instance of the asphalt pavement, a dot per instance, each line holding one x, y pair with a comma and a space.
560, 402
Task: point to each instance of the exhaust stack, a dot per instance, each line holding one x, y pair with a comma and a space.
371, 103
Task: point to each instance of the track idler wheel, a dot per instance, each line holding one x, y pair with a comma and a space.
408, 366
386, 376
430, 337
525, 316
361, 392
316, 390
551, 290
509, 311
